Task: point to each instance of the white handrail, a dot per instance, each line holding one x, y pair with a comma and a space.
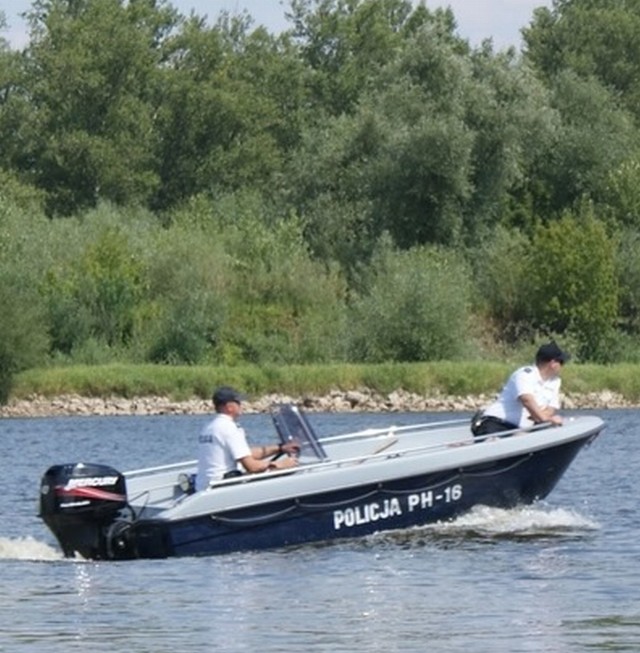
390, 430
161, 468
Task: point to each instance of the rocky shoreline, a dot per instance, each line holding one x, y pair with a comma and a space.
336, 401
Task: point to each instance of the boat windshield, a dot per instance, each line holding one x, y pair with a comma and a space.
292, 424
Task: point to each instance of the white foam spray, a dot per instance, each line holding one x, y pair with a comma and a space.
523, 521
27, 548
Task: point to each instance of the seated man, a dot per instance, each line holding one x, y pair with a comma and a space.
223, 450
530, 396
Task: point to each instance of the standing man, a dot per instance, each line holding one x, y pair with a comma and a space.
530, 396
223, 450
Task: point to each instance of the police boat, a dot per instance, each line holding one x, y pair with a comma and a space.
347, 485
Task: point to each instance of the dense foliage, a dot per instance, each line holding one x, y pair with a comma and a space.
365, 187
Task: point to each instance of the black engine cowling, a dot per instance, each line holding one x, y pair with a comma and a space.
79, 502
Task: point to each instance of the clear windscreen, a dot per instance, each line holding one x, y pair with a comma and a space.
292, 425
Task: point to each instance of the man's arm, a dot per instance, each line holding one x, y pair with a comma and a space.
537, 413
260, 458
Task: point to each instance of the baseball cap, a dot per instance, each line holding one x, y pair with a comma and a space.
225, 394
551, 352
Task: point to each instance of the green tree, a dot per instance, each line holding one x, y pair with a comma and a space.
14, 114
398, 163
345, 43
437, 150
594, 137
229, 110
91, 126
514, 125
592, 38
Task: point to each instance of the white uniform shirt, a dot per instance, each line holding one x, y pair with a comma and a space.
222, 443
524, 381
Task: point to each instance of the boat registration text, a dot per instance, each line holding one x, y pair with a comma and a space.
394, 507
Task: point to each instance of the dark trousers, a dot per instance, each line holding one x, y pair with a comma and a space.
482, 425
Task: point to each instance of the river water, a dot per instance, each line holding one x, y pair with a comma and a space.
561, 576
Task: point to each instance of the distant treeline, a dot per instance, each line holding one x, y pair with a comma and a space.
365, 187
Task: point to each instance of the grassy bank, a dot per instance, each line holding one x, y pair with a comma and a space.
184, 382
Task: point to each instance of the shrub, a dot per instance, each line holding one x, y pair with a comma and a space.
416, 308
286, 307
23, 330
188, 281
628, 273
500, 280
96, 295
573, 284
23, 336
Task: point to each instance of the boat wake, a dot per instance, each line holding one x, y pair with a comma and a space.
486, 525
523, 522
26, 548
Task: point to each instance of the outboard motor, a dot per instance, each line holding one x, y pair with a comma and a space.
79, 502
